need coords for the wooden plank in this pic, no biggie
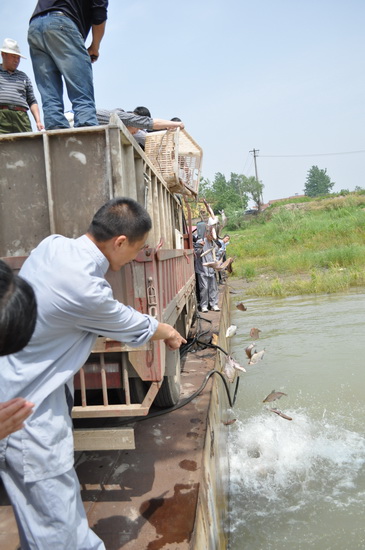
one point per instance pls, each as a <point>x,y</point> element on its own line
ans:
<point>106,411</point>
<point>104,439</point>
<point>103,345</point>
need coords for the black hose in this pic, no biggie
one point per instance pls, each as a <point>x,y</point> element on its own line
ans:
<point>189,399</point>
<point>183,350</point>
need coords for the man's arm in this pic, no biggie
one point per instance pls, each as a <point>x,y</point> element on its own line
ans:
<point>169,335</point>
<point>97,33</point>
<point>37,117</point>
<point>160,124</point>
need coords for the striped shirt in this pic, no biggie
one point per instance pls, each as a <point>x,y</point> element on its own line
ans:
<point>128,119</point>
<point>16,89</point>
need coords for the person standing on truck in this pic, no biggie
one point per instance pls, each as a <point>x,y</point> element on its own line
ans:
<point>75,305</point>
<point>18,314</point>
<point>16,93</point>
<point>56,36</point>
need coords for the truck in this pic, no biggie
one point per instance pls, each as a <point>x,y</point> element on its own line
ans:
<point>52,183</point>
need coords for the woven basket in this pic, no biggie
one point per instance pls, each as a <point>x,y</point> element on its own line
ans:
<point>177,157</point>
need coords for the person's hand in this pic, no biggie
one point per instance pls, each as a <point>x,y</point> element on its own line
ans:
<point>12,415</point>
<point>175,340</point>
<point>40,126</point>
<point>93,53</point>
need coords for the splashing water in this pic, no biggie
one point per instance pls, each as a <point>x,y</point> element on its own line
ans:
<point>300,484</point>
<point>297,472</point>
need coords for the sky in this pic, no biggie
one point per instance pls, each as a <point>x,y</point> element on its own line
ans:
<point>282,77</point>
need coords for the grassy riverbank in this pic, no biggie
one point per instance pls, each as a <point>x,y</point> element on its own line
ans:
<point>302,248</point>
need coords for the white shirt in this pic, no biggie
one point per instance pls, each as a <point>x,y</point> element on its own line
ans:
<point>75,305</point>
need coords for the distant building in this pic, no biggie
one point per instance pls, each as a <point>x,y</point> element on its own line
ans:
<point>296,196</point>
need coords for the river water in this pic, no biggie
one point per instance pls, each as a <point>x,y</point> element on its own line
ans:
<point>300,484</point>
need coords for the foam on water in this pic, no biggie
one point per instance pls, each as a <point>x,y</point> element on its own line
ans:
<point>287,470</point>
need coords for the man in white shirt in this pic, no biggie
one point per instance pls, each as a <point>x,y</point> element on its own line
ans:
<point>75,305</point>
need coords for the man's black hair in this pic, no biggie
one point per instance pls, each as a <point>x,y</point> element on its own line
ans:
<point>142,111</point>
<point>120,216</point>
<point>18,311</point>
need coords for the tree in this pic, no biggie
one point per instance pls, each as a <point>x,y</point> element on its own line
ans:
<point>253,189</point>
<point>318,182</point>
<point>224,194</point>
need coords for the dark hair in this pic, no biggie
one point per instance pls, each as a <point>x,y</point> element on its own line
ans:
<point>176,119</point>
<point>120,216</point>
<point>18,311</point>
<point>142,111</point>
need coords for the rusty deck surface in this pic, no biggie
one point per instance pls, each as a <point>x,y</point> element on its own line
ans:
<point>146,499</point>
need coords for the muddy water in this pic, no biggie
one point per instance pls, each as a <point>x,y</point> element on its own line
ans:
<point>300,484</point>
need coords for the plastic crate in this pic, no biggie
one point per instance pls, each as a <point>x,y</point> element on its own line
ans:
<point>177,157</point>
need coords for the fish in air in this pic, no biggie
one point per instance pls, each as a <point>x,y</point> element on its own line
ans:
<point>256,357</point>
<point>241,306</point>
<point>231,331</point>
<point>255,333</point>
<point>229,422</point>
<point>226,264</point>
<point>230,366</point>
<point>276,411</point>
<point>249,350</point>
<point>224,218</point>
<point>215,265</point>
<point>212,220</point>
<point>273,396</point>
<point>206,252</point>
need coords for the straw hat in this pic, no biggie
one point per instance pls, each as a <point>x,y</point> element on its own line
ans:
<point>11,46</point>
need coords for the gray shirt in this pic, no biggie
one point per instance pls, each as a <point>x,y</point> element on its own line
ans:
<point>201,246</point>
<point>75,305</point>
<point>128,119</point>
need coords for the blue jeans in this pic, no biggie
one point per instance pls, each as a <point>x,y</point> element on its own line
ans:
<point>58,50</point>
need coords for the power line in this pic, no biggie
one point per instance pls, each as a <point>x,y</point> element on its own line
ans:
<point>315,154</point>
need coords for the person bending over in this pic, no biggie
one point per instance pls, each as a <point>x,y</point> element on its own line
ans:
<point>75,305</point>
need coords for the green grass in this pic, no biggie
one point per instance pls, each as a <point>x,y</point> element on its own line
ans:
<point>316,247</point>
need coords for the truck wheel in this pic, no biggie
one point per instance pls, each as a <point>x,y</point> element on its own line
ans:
<point>138,389</point>
<point>169,393</point>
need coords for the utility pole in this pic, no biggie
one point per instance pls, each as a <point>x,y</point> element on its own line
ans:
<point>255,154</point>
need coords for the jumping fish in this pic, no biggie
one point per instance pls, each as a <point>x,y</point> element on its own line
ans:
<point>257,356</point>
<point>224,218</point>
<point>230,366</point>
<point>255,333</point>
<point>229,422</point>
<point>215,265</point>
<point>226,264</point>
<point>249,350</point>
<point>241,306</point>
<point>231,331</point>
<point>206,252</point>
<point>273,396</point>
<point>235,364</point>
<point>228,369</point>
<point>276,411</point>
